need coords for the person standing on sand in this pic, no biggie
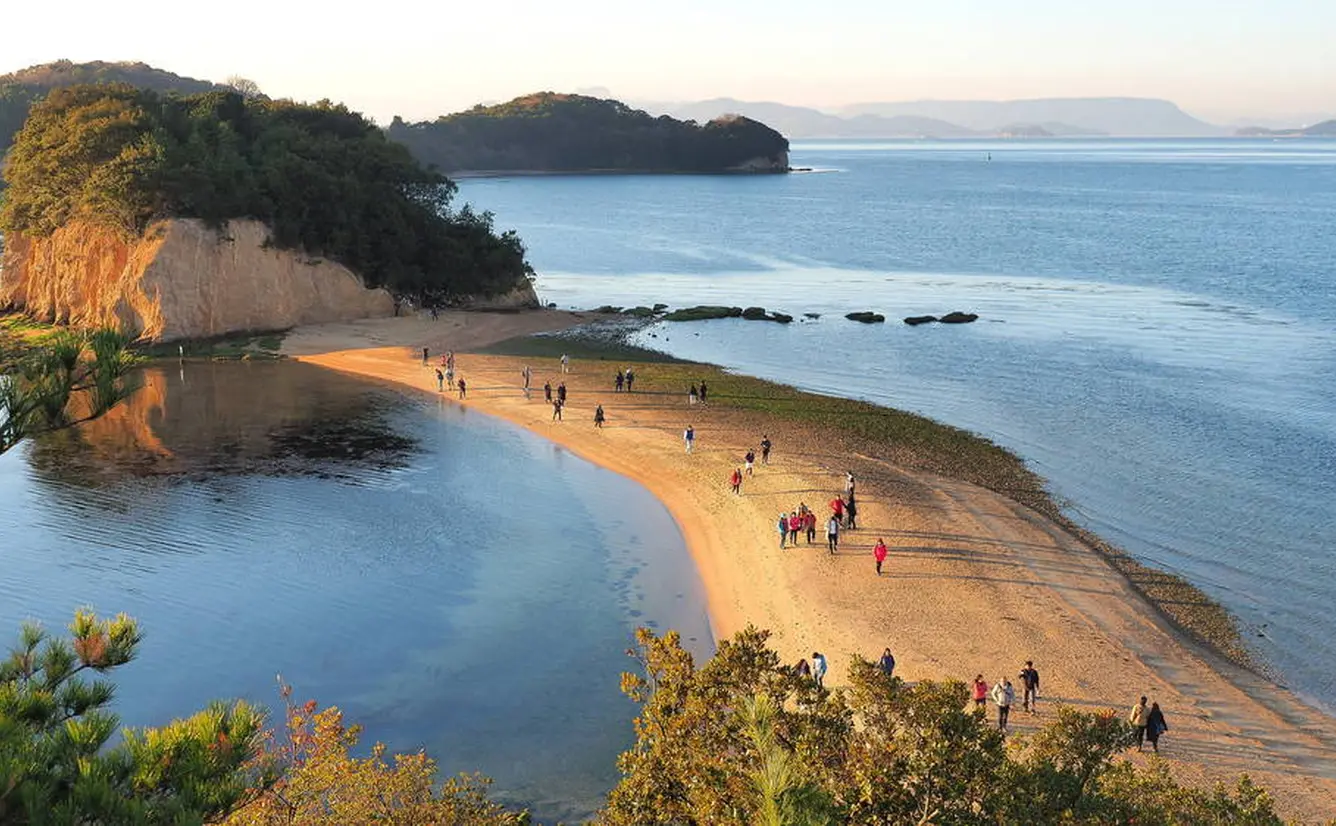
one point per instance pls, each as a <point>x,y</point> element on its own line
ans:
<point>440,381</point>
<point>802,669</point>
<point>879,554</point>
<point>887,663</point>
<point>851,514</point>
<point>1155,726</point>
<point>849,483</point>
<point>425,352</point>
<point>528,376</point>
<point>1029,687</point>
<point>617,382</point>
<point>450,359</point>
<point>565,363</point>
<point>795,524</point>
<point>809,522</point>
<point>463,388</point>
<point>630,379</point>
<point>1003,696</point>
<point>783,530</point>
<point>692,395</point>
<point>837,508</point>
<point>1140,719</point>
<point>450,377</point>
<point>736,481</point>
<point>598,417</point>
<point>833,535</point>
<point>750,461</point>
<point>765,450</point>
<point>703,391</point>
<point>556,410</point>
<point>561,392</point>
<point>689,436</point>
<point>819,669</point>
<point>979,691</point>
<point>547,392</point>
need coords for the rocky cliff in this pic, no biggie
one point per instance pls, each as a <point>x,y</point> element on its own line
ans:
<point>181,280</point>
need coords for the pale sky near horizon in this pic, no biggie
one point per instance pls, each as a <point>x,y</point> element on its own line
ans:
<point>1218,59</point>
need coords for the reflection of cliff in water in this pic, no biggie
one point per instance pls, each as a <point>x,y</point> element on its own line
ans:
<point>204,419</point>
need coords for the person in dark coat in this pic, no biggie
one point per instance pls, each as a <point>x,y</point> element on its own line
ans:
<point>1155,726</point>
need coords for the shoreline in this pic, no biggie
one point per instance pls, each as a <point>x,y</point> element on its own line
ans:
<point>978,581</point>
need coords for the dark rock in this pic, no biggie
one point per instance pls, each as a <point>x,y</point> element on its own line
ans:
<point>703,313</point>
<point>915,320</point>
<point>812,316</point>
<point>755,314</point>
<point>608,309</point>
<point>658,308</point>
<point>781,318</point>
<point>958,318</point>
<point>866,317</point>
<point>639,312</point>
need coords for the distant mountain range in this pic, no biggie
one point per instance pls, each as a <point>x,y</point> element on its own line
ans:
<point>1045,117</point>
<point>1325,129</point>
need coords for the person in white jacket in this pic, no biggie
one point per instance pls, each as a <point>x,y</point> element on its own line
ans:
<point>1003,696</point>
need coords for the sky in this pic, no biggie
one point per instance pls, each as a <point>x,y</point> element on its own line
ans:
<point>1221,60</point>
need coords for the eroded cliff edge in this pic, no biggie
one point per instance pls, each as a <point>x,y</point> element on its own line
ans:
<point>180,280</point>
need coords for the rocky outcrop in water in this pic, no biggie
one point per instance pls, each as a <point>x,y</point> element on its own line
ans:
<point>181,280</point>
<point>866,317</point>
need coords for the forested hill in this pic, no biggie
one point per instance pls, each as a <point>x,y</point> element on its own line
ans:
<point>324,180</point>
<point>19,90</point>
<point>549,132</point>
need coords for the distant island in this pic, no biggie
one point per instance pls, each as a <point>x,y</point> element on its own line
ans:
<point>549,132</point>
<point>1325,129</point>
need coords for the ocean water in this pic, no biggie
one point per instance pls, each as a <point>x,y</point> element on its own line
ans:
<point>1157,332</point>
<point>450,581</point>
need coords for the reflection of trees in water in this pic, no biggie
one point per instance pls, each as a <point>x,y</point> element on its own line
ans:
<point>204,419</point>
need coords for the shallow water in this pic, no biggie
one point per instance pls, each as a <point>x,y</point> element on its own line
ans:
<point>450,581</point>
<point>1157,333</point>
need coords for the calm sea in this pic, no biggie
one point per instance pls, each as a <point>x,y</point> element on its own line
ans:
<point>451,582</point>
<point>1157,333</point>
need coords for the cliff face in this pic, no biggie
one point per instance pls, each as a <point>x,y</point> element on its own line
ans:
<point>181,280</point>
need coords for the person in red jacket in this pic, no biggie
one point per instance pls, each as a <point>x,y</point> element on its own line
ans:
<point>879,554</point>
<point>809,522</point>
<point>837,508</point>
<point>736,481</point>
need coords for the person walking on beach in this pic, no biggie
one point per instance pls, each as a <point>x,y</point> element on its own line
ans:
<point>547,392</point>
<point>1029,687</point>
<point>703,391</point>
<point>630,379</point>
<point>561,392</point>
<point>1155,726</point>
<point>440,381</point>
<point>765,450</point>
<point>783,531</point>
<point>692,395</point>
<point>565,363</point>
<point>809,522</point>
<point>617,382</point>
<point>979,691</point>
<point>450,377</point>
<point>802,669</point>
<point>598,417</point>
<point>689,436</point>
<point>837,508</point>
<point>849,483</point>
<point>1140,719</point>
<point>819,668</point>
<point>425,352</point>
<point>556,410</point>
<point>879,554</point>
<point>850,513</point>
<point>887,663</point>
<point>795,524</point>
<point>833,535</point>
<point>1003,696</point>
<point>750,461</point>
<point>450,359</point>
<point>463,388</point>
<point>736,481</point>
<point>528,377</point>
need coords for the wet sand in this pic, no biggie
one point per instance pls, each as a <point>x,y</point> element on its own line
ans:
<point>974,581</point>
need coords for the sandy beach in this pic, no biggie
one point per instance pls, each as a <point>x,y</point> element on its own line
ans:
<point>974,582</point>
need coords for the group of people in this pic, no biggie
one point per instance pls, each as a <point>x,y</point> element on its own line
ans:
<point>445,374</point>
<point>624,380</point>
<point>698,393</point>
<point>1003,693</point>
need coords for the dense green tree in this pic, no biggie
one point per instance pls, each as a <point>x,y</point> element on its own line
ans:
<point>322,178</point>
<point>552,132</point>
<point>56,764</point>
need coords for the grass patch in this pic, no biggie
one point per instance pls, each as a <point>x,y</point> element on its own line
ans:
<point>577,345</point>
<point>238,346</point>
